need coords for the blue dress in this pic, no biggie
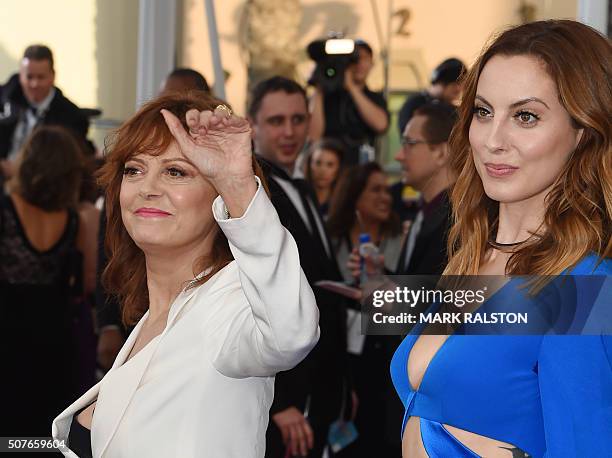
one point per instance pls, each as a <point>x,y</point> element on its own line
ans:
<point>549,395</point>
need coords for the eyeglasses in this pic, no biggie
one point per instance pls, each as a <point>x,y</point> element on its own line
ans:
<point>406,141</point>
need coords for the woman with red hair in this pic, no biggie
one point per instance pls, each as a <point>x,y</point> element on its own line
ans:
<point>212,280</point>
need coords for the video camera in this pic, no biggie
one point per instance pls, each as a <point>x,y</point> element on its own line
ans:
<point>332,56</point>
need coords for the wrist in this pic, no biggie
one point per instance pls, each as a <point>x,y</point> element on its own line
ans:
<point>237,194</point>
<point>233,183</point>
<point>353,89</point>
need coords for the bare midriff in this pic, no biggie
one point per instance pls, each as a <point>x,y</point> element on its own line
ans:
<point>412,444</point>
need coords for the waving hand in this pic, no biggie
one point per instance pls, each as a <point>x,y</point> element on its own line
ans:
<point>219,145</point>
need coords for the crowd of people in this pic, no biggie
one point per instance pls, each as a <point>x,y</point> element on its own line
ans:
<point>188,307</point>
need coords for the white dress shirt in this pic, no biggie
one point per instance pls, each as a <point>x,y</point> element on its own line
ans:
<point>204,386</point>
<point>28,121</point>
<point>294,196</point>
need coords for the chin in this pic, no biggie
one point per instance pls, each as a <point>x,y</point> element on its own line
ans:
<point>287,160</point>
<point>149,238</point>
<point>407,179</point>
<point>383,217</point>
<point>505,196</point>
<point>145,243</point>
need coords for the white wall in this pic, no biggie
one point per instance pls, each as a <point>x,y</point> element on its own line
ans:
<point>66,26</point>
<point>94,44</point>
<point>95,41</point>
<point>438,29</point>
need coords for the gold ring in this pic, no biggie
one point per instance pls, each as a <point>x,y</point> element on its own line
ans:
<point>225,108</point>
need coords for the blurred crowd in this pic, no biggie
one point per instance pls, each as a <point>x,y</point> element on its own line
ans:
<point>318,154</point>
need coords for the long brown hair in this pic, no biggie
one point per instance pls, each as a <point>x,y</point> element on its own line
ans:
<point>328,144</point>
<point>579,206</point>
<point>146,132</point>
<point>50,168</point>
<point>352,184</point>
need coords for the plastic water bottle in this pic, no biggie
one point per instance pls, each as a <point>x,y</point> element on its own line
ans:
<point>366,249</point>
<point>367,153</point>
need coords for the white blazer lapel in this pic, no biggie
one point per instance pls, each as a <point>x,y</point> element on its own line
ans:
<point>121,389</point>
<point>61,425</point>
<point>119,392</point>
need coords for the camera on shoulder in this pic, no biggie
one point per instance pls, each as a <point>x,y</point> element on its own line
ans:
<point>332,56</point>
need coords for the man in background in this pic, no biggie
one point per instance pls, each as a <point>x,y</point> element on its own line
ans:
<point>445,86</point>
<point>424,159</point>
<point>30,98</point>
<point>184,79</point>
<point>309,397</point>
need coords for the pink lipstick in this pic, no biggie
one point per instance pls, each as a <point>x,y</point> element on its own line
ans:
<point>147,212</point>
<point>500,170</point>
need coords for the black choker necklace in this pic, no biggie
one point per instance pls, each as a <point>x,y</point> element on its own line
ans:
<point>501,246</point>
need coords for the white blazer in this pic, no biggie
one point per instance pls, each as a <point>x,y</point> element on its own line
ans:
<point>204,386</point>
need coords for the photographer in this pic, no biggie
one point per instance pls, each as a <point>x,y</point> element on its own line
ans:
<point>353,114</point>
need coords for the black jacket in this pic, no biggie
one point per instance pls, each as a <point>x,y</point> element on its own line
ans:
<point>61,112</point>
<point>323,375</point>
<point>430,254</point>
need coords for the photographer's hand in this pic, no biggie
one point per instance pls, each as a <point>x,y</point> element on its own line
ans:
<point>317,115</point>
<point>373,115</point>
<point>349,80</point>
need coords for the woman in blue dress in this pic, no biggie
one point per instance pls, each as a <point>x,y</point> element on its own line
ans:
<point>533,155</point>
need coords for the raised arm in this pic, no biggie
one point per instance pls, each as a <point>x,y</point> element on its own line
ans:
<point>317,116</point>
<point>275,318</point>
<point>278,324</point>
<point>373,115</point>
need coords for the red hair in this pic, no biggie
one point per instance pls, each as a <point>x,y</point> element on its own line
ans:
<point>146,132</point>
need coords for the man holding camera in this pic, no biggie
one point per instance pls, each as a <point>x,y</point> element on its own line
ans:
<point>353,114</point>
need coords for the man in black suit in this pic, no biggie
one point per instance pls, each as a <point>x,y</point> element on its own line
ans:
<point>308,398</point>
<point>424,161</point>
<point>30,98</point>
<point>445,87</point>
<point>424,158</point>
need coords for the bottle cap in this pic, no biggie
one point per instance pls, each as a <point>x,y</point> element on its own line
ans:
<point>364,238</point>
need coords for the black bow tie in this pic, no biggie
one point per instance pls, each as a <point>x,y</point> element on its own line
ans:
<point>302,185</point>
